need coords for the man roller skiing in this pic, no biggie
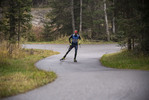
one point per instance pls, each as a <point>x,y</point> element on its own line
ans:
<point>73,44</point>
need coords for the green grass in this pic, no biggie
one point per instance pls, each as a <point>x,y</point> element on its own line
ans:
<point>126,60</point>
<point>19,75</point>
<point>97,42</point>
<point>64,40</point>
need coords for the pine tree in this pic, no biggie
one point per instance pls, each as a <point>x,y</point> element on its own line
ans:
<point>132,23</point>
<point>23,17</point>
<point>62,21</point>
<point>16,18</point>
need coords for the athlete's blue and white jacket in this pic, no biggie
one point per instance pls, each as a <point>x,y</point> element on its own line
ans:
<point>74,39</point>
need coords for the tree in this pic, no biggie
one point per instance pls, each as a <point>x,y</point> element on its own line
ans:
<point>1,21</point>
<point>64,20</point>
<point>113,21</point>
<point>80,17</point>
<point>72,14</point>
<point>93,20</point>
<point>125,21</point>
<point>23,17</point>
<point>16,18</point>
<point>106,21</point>
<point>143,8</point>
<point>132,23</point>
<point>40,3</point>
<point>60,19</point>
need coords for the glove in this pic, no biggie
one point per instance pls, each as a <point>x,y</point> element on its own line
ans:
<point>79,42</point>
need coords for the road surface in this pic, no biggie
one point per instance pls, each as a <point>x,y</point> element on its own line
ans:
<point>87,79</point>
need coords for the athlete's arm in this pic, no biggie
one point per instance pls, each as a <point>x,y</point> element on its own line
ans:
<point>79,38</point>
<point>70,39</point>
<point>79,41</point>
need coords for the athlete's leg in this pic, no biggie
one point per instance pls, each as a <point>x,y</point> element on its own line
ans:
<point>76,49</point>
<point>68,50</point>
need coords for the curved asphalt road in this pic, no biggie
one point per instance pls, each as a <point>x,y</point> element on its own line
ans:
<point>87,79</point>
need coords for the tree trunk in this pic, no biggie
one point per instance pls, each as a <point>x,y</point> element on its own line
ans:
<point>72,14</point>
<point>133,43</point>
<point>19,26</point>
<point>80,17</point>
<point>113,25</point>
<point>1,16</point>
<point>12,21</point>
<point>113,21</point>
<point>129,44</point>
<point>106,21</point>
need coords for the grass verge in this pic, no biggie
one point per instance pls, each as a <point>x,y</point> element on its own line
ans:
<point>64,40</point>
<point>19,75</point>
<point>125,60</point>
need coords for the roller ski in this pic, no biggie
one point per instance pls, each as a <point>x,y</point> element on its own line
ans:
<point>62,59</point>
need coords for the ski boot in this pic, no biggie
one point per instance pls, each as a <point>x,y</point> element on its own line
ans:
<point>75,60</point>
<point>62,59</point>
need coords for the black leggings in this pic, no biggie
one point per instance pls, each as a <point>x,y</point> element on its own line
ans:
<point>76,49</point>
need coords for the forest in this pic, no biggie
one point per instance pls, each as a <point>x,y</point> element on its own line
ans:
<point>114,34</point>
<point>122,21</point>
